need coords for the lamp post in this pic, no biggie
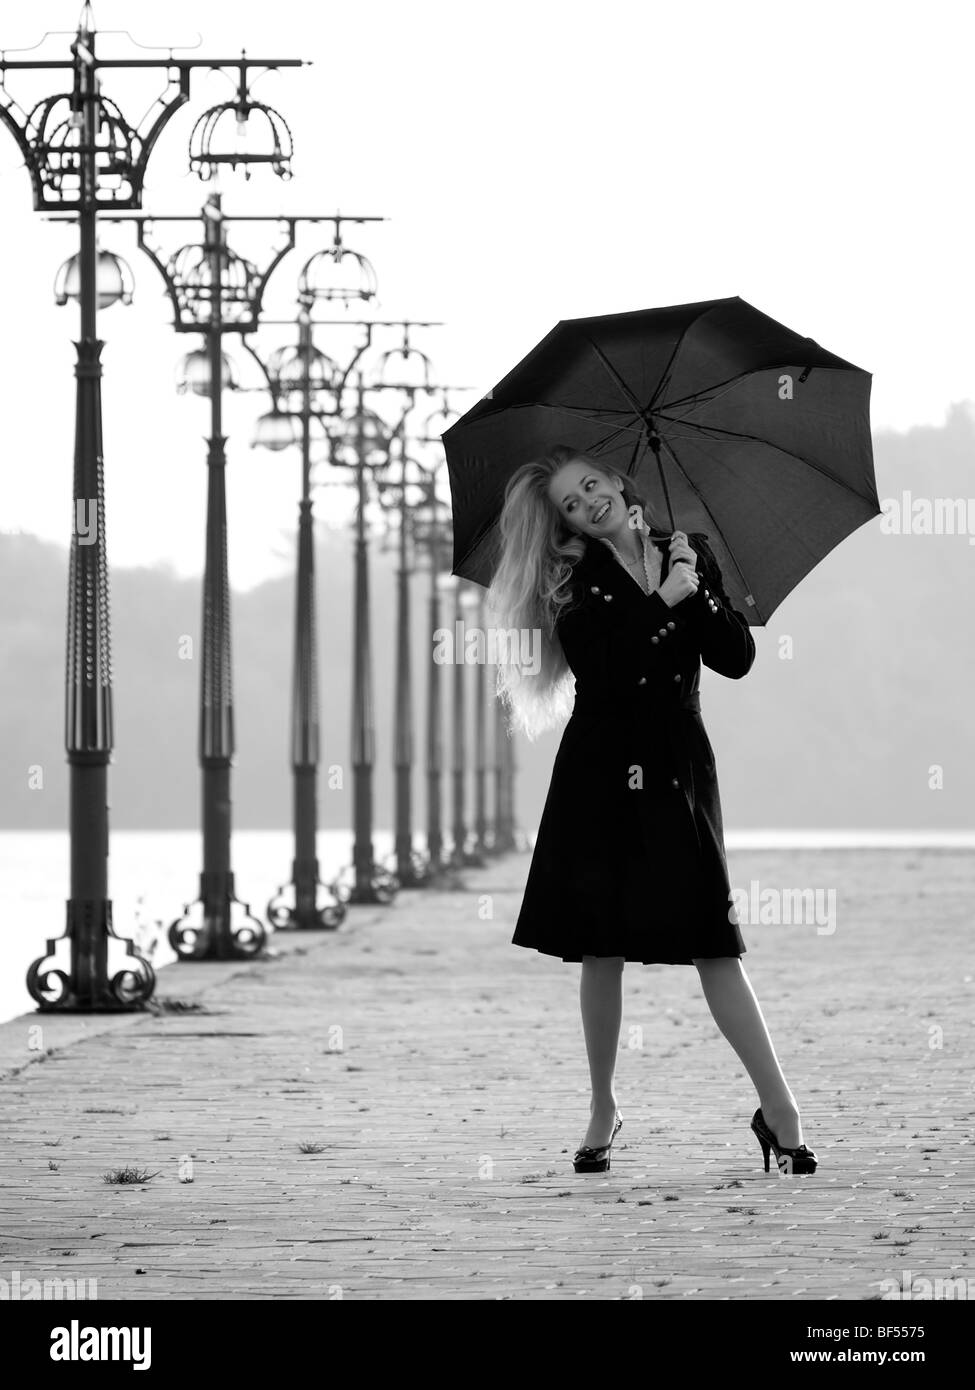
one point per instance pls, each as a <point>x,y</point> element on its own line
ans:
<point>505,838</point>
<point>413,869</point>
<point>215,292</point>
<point>84,157</point>
<point>465,602</point>
<point>432,530</point>
<point>305,372</point>
<point>404,498</point>
<point>480,844</point>
<point>363,443</point>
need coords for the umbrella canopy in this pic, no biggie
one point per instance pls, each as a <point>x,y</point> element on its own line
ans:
<point>729,422</point>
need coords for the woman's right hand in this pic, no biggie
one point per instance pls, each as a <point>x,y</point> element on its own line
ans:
<point>681,582</point>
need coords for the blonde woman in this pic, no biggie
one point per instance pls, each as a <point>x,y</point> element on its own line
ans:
<point>629,861</point>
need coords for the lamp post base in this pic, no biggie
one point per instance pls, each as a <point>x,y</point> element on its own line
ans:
<point>370,883</point>
<point>413,868</point>
<point>306,903</point>
<point>223,928</point>
<point>85,985</point>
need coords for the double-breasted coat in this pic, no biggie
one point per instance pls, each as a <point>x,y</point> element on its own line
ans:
<point>629,859</point>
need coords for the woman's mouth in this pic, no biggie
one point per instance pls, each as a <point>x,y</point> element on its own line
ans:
<point>603,511</point>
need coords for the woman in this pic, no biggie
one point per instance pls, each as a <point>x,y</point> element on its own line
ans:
<point>629,861</point>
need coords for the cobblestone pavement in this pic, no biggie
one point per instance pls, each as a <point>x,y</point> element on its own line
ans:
<point>436,1075</point>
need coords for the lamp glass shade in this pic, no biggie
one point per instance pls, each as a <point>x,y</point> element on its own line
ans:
<point>114,281</point>
<point>193,373</point>
<point>274,431</point>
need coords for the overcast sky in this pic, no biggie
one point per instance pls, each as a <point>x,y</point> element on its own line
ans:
<point>536,161</point>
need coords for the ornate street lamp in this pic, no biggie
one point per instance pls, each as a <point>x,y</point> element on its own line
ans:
<point>405,497</point>
<point>306,385</point>
<point>337,273</point>
<point>83,157</point>
<point>413,869</point>
<point>260,136</point>
<point>215,292</point>
<point>464,602</point>
<point>431,526</point>
<point>472,600</point>
<point>362,441</point>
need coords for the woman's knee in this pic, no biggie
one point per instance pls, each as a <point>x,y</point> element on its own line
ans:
<point>612,964</point>
<point>716,965</point>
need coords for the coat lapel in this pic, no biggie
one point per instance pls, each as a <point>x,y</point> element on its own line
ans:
<point>601,562</point>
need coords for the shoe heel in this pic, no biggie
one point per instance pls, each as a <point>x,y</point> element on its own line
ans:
<point>788,1161</point>
<point>588,1160</point>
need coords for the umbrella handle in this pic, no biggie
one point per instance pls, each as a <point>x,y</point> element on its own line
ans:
<point>654,441</point>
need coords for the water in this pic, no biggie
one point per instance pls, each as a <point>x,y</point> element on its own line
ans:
<point>153,873</point>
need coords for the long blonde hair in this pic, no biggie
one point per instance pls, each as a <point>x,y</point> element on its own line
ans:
<point>530,587</point>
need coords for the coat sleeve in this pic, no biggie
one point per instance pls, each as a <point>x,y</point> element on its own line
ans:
<point>593,644</point>
<point>725,638</point>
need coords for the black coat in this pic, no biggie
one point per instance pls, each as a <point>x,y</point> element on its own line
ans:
<point>629,859</point>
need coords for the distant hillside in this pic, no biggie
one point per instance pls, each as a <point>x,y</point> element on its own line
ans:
<point>842,735</point>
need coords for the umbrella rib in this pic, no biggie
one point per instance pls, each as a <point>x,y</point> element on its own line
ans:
<point>668,370</point>
<point>612,437</point>
<point>694,488</point>
<point>578,413</point>
<point>615,375</point>
<point>768,444</point>
<point>707,394</point>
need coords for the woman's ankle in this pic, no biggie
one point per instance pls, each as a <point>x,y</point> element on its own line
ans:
<point>603,1103</point>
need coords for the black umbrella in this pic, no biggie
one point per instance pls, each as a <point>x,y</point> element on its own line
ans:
<point>731,424</point>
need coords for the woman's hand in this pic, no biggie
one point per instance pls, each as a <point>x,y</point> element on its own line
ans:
<point>682,578</point>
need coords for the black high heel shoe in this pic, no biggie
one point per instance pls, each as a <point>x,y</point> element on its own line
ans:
<point>800,1160</point>
<point>588,1160</point>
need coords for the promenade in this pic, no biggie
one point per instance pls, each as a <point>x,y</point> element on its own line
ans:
<point>435,1076</point>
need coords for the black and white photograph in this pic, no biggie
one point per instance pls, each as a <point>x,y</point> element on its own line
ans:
<point>487,554</point>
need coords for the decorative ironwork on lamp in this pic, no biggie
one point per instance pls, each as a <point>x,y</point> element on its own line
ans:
<point>337,273</point>
<point>361,439</point>
<point>211,145</point>
<point>190,273</point>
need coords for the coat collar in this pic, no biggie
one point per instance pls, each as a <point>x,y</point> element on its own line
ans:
<point>599,561</point>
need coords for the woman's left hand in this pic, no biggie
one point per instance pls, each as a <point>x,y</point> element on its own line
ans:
<point>681,550</point>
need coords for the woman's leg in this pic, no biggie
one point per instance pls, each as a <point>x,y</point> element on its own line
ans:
<point>736,1011</point>
<point>601,998</point>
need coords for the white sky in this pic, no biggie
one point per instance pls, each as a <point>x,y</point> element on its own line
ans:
<point>537,161</point>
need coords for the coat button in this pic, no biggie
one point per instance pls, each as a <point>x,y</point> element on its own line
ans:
<point>594,589</point>
<point>674,782</point>
<point>642,680</point>
<point>677,677</point>
<point>671,626</point>
<point>662,631</point>
<point>707,593</point>
<point>654,639</point>
<point>607,597</point>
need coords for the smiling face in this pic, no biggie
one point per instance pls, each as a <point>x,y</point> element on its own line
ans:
<point>587,500</point>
